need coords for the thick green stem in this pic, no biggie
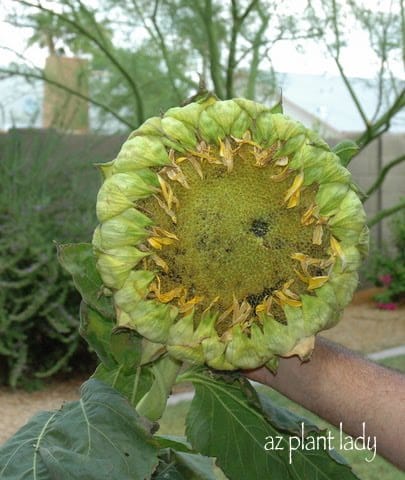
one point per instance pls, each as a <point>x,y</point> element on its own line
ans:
<point>153,404</point>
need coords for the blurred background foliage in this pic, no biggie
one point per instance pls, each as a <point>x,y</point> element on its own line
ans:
<point>144,56</point>
<point>47,195</point>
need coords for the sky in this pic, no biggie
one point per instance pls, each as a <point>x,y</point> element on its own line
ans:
<point>358,59</point>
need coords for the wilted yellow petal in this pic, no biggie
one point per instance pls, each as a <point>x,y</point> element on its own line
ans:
<point>316,282</point>
<point>168,296</point>
<point>196,165</point>
<point>160,262</point>
<point>212,303</point>
<point>284,300</point>
<point>240,312</point>
<point>308,217</point>
<point>260,308</point>
<point>281,162</point>
<point>290,293</point>
<point>226,314</point>
<point>176,174</point>
<point>279,177</point>
<point>204,152</point>
<point>299,256</point>
<point>292,196</point>
<point>166,209</point>
<point>245,140</point>
<point>226,153</point>
<point>301,276</point>
<point>337,250</point>
<point>161,232</point>
<point>187,305</point>
<point>265,306</point>
<point>154,242</point>
<point>167,192</point>
<point>317,235</point>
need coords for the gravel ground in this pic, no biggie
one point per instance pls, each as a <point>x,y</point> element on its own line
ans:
<point>18,406</point>
<point>363,328</point>
<point>367,329</point>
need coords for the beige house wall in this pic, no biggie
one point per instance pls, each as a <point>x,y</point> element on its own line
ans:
<point>61,109</point>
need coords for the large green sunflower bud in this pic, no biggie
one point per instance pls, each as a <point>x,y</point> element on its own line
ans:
<point>228,233</point>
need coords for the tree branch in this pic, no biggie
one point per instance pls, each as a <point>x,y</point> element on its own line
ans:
<point>232,50</point>
<point>384,173</point>
<point>165,51</point>
<point>352,94</point>
<point>386,213</point>
<point>336,57</point>
<point>247,10</point>
<point>215,61</point>
<point>237,22</point>
<point>91,18</point>
<point>383,123</point>
<point>254,65</point>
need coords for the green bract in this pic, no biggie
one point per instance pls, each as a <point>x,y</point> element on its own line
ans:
<point>229,234</point>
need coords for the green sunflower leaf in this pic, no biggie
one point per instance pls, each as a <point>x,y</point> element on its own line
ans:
<point>167,470</point>
<point>174,442</point>
<point>126,347</point>
<point>79,261</point>
<point>99,437</point>
<point>188,466</point>
<point>96,330</point>
<point>283,419</point>
<point>346,150</point>
<point>278,107</point>
<point>225,423</point>
<point>133,386</point>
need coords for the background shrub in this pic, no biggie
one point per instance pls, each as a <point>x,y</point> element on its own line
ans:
<point>387,267</point>
<point>47,193</point>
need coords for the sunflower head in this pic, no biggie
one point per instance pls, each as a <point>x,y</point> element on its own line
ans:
<point>229,234</point>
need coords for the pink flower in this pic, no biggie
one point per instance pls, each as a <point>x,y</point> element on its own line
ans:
<point>387,306</point>
<point>385,279</point>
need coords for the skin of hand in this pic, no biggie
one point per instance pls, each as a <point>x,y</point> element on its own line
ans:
<point>341,386</point>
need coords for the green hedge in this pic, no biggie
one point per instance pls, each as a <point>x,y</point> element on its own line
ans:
<point>47,194</point>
